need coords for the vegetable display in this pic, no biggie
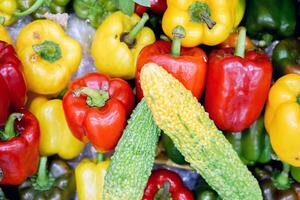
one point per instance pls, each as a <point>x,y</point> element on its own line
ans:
<point>19,153</point>
<point>180,116</point>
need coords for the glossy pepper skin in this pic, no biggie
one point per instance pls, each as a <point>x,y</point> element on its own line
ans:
<point>95,11</point>
<point>270,185</point>
<point>270,18</point>
<point>156,6</point>
<point>7,9</point>
<point>56,136</point>
<point>38,8</point>
<point>96,108</point>
<point>57,183</point>
<point>286,57</point>
<point>90,178</point>
<point>4,102</point>
<point>237,87</point>
<point>189,67</point>
<point>19,154</point>
<point>172,152</point>
<point>11,70</point>
<point>282,118</point>
<point>206,22</point>
<point>4,35</point>
<point>165,182</point>
<point>49,56</point>
<point>123,42</point>
<point>252,144</point>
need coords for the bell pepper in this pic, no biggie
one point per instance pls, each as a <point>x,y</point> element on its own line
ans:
<point>90,178</point>
<point>94,11</point>
<point>49,56</point>
<point>295,172</point>
<point>156,6</point>
<point>241,8</point>
<point>56,137</point>
<point>7,9</point>
<point>19,153</point>
<point>252,144</point>
<point>171,151</point>
<point>166,184</point>
<point>282,118</point>
<point>122,37</point>
<point>205,192</point>
<point>237,86</point>
<point>231,41</point>
<point>56,183</point>
<point>96,108</point>
<point>286,57</point>
<point>4,35</point>
<point>4,102</point>
<point>276,185</point>
<point>38,8</point>
<point>11,71</point>
<point>206,22</point>
<point>188,65</point>
<point>269,18</point>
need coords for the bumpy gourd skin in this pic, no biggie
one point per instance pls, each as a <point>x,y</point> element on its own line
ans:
<point>133,159</point>
<point>180,116</point>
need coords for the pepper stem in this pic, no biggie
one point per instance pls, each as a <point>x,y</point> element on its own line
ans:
<point>240,48</point>
<point>164,192</point>
<point>42,177</point>
<point>48,50</point>
<point>2,20</point>
<point>9,129</point>
<point>282,181</point>
<point>200,12</point>
<point>95,98</point>
<point>100,157</point>
<point>129,38</point>
<point>298,98</point>
<point>30,10</point>
<point>2,196</point>
<point>178,33</point>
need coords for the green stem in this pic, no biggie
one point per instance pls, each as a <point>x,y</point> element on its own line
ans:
<point>282,180</point>
<point>240,48</point>
<point>200,13</point>
<point>95,98</point>
<point>2,20</point>
<point>33,8</point>
<point>48,50</point>
<point>9,130</point>
<point>100,157</point>
<point>298,98</point>
<point>178,33</point>
<point>42,177</point>
<point>129,38</point>
<point>206,18</point>
<point>164,193</point>
<point>2,196</point>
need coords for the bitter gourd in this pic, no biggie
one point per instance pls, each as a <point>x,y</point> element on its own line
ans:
<point>177,112</point>
<point>133,159</point>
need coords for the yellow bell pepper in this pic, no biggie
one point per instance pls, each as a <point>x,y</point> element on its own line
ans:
<point>206,22</point>
<point>118,42</point>
<point>90,178</point>
<point>49,56</point>
<point>7,9</point>
<point>4,35</point>
<point>56,137</point>
<point>282,118</point>
<point>240,12</point>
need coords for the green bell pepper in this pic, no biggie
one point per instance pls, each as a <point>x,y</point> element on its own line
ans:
<point>295,172</point>
<point>252,144</point>
<point>204,192</point>
<point>286,57</point>
<point>38,8</point>
<point>58,183</point>
<point>268,18</point>
<point>94,11</point>
<point>171,151</point>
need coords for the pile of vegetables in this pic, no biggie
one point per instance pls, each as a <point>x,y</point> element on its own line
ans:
<point>158,89</point>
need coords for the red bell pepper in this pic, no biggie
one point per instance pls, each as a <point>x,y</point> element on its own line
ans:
<point>156,6</point>
<point>96,108</point>
<point>188,65</point>
<point>19,148</point>
<point>237,86</point>
<point>165,184</point>
<point>4,101</point>
<point>11,72</point>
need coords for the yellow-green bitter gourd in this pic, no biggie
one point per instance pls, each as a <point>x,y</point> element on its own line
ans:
<point>177,112</point>
<point>132,162</point>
